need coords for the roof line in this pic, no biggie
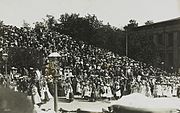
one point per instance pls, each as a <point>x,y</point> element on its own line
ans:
<point>170,20</point>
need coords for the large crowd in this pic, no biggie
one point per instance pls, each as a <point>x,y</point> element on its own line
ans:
<point>85,70</point>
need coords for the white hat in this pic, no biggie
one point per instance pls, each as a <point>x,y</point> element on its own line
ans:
<point>13,68</point>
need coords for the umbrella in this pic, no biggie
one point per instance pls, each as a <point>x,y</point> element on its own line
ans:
<point>70,76</point>
<point>54,54</point>
<point>94,75</point>
<point>138,103</point>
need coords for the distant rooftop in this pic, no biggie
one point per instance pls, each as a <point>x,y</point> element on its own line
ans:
<point>175,19</point>
<point>166,22</point>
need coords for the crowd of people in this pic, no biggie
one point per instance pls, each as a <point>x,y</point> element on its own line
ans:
<point>92,73</point>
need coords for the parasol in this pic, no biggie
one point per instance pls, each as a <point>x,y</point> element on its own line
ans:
<point>138,103</point>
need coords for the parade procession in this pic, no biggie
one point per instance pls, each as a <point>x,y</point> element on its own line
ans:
<point>80,64</point>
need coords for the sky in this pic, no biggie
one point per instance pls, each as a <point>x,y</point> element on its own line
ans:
<point>116,12</point>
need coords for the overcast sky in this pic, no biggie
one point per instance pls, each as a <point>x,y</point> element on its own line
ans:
<point>116,12</point>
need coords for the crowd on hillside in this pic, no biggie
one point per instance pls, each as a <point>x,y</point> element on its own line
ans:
<point>85,70</point>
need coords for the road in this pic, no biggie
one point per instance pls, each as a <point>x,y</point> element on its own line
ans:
<point>133,100</point>
<point>78,103</point>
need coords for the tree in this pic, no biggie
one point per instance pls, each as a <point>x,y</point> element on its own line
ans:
<point>91,30</point>
<point>25,24</point>
<point>50,22</point>
<point>80,28</point>
<point>132,24</point>
<point>149,22</point>
<point>1,23</point>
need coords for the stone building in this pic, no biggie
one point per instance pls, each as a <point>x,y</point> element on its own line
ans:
<point>166,37</point>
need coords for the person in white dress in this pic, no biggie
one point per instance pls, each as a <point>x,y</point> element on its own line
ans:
<point>47,90</point>
<point>78,88</point>
<point>169,91</point>
<point>134,87</point>
<point>118,91</point>
<point>35,96</point>
<point>87,91</point>
<point>140,87</point>
<point>104,93</point>
<point>69,95</point>
<point>174,90</point>
<point>45,94</point>
<point>109,94</point>
<point>159,90</point>
<point>148,90</point>
<point>143,86</point>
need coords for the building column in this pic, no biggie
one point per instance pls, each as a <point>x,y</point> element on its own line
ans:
<point>156,62</point>
<point>165,51</point>
<point>175,50</point>
<point>155,39</point>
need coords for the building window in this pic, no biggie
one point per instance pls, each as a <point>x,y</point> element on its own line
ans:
<point>170,40</point>
<point>160,39</point>
<point>170,59</point>
<point>162,56</point>
<point>170,62</point>
<point>178,36</point>
<point>178,62</point>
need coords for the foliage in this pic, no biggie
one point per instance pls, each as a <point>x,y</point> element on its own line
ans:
<point>149,22</point>
<point>91,30</point>
<point>132,24</point>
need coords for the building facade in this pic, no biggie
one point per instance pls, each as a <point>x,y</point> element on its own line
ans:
<point>166,37</point>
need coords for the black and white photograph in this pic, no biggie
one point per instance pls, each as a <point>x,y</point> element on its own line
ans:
<point>89,56</point>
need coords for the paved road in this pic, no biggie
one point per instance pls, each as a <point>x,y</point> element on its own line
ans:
<point>78,103</point>
<point>99,105</point>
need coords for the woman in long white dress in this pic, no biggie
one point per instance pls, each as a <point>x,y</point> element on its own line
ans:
<point>168,91</point>
<point>159,90</point>
<point>109,94</point>
<point>45,94</point>
<point>42,93</point>
<point>87,92</point>
<point>118,91</point>
<point>143,86</point>
<point>148,90</point>
<point>104,92</point>
<point>78,88</point>
<point>35,95</point>
<point>174,90</point>
<point>69,95</point>
<point>48,93</point>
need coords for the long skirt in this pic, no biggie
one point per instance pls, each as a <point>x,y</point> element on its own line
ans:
<point>134,90</point>
<point>174,91</point>
<point>78,89</point>
<point>109,93</point>
<point>159,90</point>
<point>49,94</point>
<point>87,93</point>
<point>42,94</point>
<point>118,93</point>
<point>148,91</point>
<point>36,99</point>
<point>168,92</point>
<point>69,95</point>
